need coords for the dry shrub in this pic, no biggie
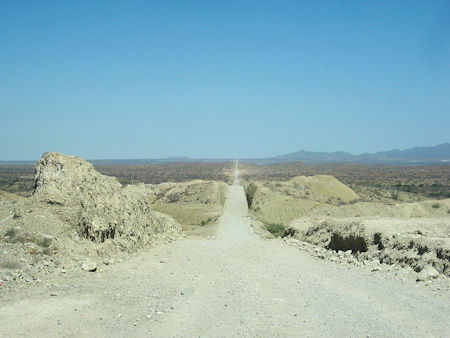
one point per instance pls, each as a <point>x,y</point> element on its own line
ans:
<point>12,235</point>
<point>44,241</point>
<point>8,262</point>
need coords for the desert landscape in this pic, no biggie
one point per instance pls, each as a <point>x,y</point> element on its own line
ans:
<point>224,169</point>
<point>82,243</point>
<point>406,227</point>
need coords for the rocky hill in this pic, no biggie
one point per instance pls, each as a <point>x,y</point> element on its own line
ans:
<point>417,155</point>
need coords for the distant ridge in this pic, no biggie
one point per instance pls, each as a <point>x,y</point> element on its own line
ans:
<point>416,155</point>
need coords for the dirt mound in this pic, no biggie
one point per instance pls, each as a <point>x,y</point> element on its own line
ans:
<point>324,187</point>
<point>75,218</point>
<point>97,205</point>
<point>196,205</point>
<point>282,202</point>
<point>73,201</point>
<point>416,242</point>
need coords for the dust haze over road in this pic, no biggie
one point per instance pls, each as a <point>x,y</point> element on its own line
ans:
<point>235,284</point>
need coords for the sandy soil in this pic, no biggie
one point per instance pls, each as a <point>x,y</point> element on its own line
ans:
<point>196,205</point>
<point>281,202</point>
<point>233,285</point>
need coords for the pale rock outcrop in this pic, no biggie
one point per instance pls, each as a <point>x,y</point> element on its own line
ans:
<point>96,205</point>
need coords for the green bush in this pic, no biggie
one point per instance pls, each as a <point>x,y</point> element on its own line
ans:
<point>208,221</point>
<point>250,191</point>
<point>435,205</point>
<point>276,229</point>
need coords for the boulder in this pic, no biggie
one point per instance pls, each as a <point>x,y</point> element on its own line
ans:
<point>427,273</point>
<point>89,266</point>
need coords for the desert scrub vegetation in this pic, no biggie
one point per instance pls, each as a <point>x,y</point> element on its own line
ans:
<point>276,229</point>
<point>169,172</point>
<point>43,244</point>
<point>44,241</point>
<point>206,222</point>
<point>17,179</point>
<point>7,262</point>
<point>250,191</point>
<point>435,205</point>
<point>12,235</point>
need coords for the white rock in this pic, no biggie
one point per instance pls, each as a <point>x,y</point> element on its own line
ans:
<point>427,273</point>
<point>89,266</point>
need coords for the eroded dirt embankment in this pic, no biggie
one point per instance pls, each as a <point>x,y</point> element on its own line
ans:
<point>324,212</point>
<point>282,202</point>
<point>196,205</point>
<point>75,215</point>
<point>414,242</point>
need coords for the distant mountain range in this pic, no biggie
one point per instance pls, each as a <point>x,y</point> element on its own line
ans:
<point>416,155</point>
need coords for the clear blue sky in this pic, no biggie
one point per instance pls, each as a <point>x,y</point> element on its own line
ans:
<point>146,79</point>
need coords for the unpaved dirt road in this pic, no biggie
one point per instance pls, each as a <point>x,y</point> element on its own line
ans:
<point>233,285</point>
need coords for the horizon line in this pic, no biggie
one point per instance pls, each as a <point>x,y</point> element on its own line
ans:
<point>175,158</point>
